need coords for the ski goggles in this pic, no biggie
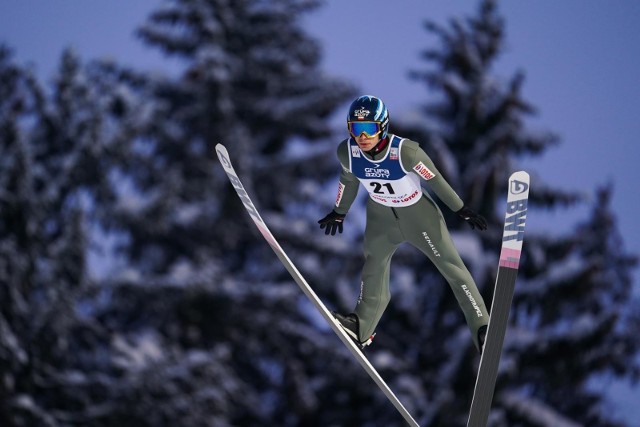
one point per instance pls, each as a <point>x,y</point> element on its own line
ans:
<point>370,129</point>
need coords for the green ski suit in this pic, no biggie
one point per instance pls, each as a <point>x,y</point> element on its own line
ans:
<point>399,210</point>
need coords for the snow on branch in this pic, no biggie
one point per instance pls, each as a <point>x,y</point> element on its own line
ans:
<point>536,412</point>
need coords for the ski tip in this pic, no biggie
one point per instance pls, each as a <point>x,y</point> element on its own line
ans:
<point>223,156</point>
<point>522,175</point>
<point>518,185</point>
<point>221,151</point>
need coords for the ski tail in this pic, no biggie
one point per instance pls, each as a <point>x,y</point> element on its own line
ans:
<point>512,239</point>
<point>223,156</point>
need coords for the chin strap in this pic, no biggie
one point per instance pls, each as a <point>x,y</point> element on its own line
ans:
<point>378,147</point>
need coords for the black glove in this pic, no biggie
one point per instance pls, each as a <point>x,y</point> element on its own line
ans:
<point>472,218</point>
<point>332,222</point>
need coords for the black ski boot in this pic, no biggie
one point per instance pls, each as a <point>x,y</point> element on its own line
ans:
<point>351,325</point>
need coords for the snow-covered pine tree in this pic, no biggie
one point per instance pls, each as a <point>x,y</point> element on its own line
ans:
<point>568,351</point>
<point>239,350</point>
<point>50,174</point>
<point>18,227</point>
<point>198,298</point>
<point>478,136</point>
<point>249,77</point>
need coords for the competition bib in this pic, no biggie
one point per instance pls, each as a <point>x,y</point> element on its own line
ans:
<point>387,182</point>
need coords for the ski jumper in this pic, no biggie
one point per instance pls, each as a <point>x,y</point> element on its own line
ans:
<point>399,210</point>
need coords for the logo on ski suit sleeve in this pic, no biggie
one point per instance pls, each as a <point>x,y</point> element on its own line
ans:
<point>422,170</point>
<point>386,180</point>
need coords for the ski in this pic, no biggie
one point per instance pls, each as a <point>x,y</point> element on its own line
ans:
<point>223,156</point>
<point>512,238</point>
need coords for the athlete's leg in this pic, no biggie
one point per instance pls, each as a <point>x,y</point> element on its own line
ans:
<point>425,228</point>
<point>381,239</point>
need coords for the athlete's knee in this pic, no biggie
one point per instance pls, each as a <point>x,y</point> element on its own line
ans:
<point>375,266</point>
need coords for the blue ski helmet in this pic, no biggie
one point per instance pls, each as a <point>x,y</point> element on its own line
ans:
<point>368,109</point>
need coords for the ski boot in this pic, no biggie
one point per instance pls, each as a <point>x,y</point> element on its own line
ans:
<point>351,325</point>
